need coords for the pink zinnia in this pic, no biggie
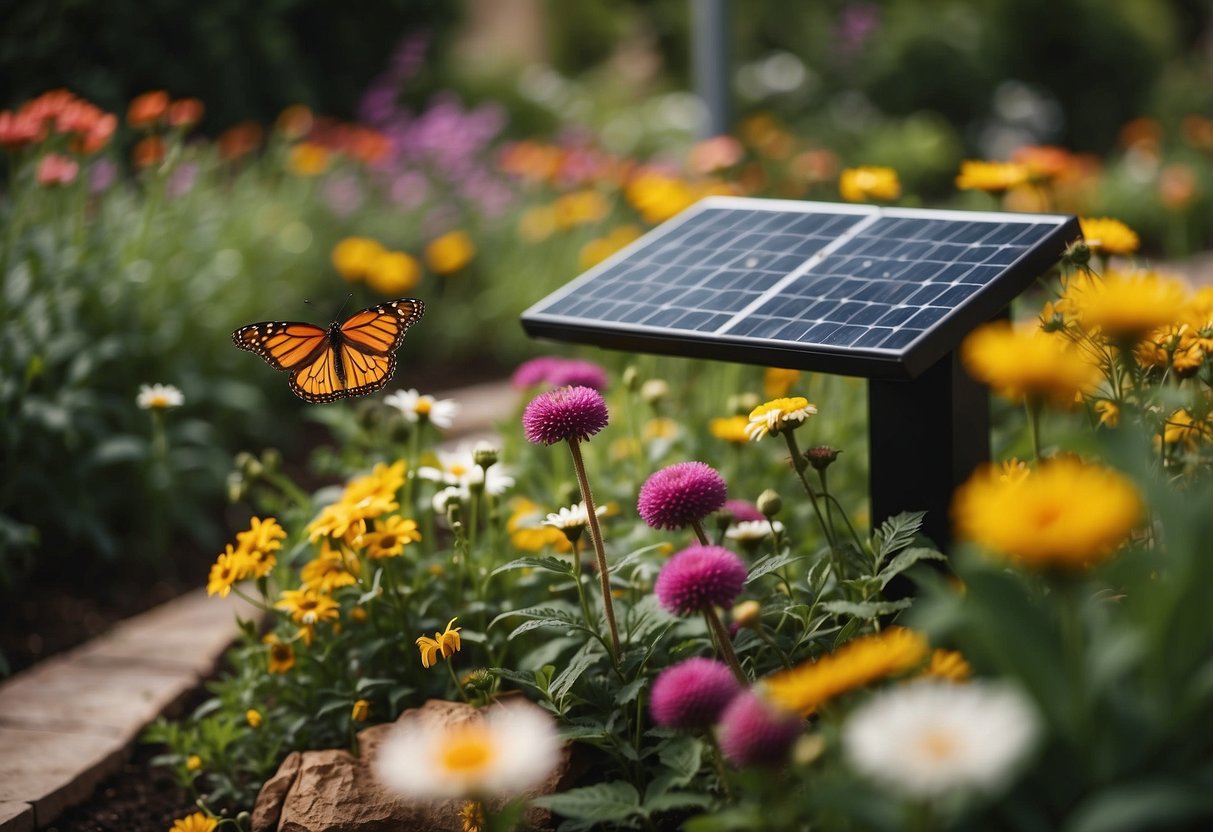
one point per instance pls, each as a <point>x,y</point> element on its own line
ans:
<point>742,511</point>
<point>564,414</point>
<point>681,494</point>
<point>699,578</point>
<point>754,733</point>
<point>691,695</point>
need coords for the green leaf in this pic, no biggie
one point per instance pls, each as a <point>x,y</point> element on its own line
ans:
<point>896,533</point>
<point>630,691</point>
<point>582,660</point>
<point>540,623</point>
<point>560,567</point>
<point>374,591</point>
<point>683,756</point>
<point>613,801</point>
<point>905,560</point>
<point>1129,806</point>
<point>866,609</point>
<point>770,563</point>
<point>632,558</point>
<point>676,800</point>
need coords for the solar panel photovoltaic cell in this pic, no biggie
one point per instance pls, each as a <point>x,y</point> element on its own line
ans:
<point>857,290</point>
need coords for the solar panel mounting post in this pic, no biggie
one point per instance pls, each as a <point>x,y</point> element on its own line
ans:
<point>926,436</point>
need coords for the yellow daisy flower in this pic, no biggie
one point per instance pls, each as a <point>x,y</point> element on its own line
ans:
<point>308,159</point>
<point>857,663</point>
<point>1024,362</point>
<point>776,381</point>
<point>445,644</point>
<point>1126,305</point>
<point>330,570</point>
<point>229,568</point>
<point>390,536</point>
<point>730,429</point>
<point>1109,236</point>
<point>197,822</point>
<point>992,177</point>
<point>777,415</point>
<point>1065,514</point>
<point>253,716</point>
<point>281,655</point>
<point>307,606</point>
<point>868,184</point>
<point>948,664</point>
<point>450,252</point>
<point>1181,429</point>
<point>361,711</point>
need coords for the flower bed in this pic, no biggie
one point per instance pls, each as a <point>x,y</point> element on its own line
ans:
<point>697,605</point>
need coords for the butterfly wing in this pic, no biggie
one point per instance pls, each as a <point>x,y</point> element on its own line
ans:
<point>357,360</point>
<point>285,345</point>
<point>380,329</point>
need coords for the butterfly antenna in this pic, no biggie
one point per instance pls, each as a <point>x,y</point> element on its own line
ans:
<point>344,304</point>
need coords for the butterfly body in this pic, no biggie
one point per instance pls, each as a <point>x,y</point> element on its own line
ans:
<point>349,358</point>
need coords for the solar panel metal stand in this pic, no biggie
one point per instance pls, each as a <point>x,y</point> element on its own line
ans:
<point>925,437</point>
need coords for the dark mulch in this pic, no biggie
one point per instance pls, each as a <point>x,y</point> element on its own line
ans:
<point>139,798</point>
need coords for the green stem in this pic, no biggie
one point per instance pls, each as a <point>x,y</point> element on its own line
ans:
<point>699,532</point>
<point>725,645</point>
<point>1032,406</point>
<point>455,679</point>
<point>604,576</point>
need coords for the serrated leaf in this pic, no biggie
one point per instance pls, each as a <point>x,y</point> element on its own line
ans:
<point>866,609</point>
<point>683,756</point>
<point>676,800</point>
<point>769,564</point>
<point>547,611</point>
<point>631,558</point>
<point>601,802</point>
<point>560,567</point>
<point>540,623</point>
<point>582,660</point>
<point>368,683</point>
<point>896,533</point>
<point>904,560</point>
<point>630,691</point>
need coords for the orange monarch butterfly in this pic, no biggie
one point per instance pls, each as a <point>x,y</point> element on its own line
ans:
<point>349,358</point>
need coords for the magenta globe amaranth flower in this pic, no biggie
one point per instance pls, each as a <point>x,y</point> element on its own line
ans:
<point>692,694</point>
<point>534,372</point>
<point>681,495</point>
<point>565,414</point>
<point>742,511</point>
<point>700,578</point>
<point>753,732</point>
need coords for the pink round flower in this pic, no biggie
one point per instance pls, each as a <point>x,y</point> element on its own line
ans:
<point>692,694</point>
<point>743,511</point>
<point>564,414</point>
<point>534,372</point>
<point>698,578</point>
<point>578,373</point>
<point>679,495</point>
<point>753,732</point>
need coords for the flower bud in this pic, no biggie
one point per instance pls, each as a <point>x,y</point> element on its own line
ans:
<point>631,378</point>
<point>485,455</point>
<point>747,613</point>
<point>821,457</point>
<point>769,503</point>
<point>1079,253</point>
<point>654,391</point>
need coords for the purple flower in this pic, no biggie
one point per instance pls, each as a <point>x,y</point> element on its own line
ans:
<point>343,194</point>
<point>181,180</point>
<point>681,494</point>
<point>691,695</point>
<point>699,578</point>
<point>101,175</point>
<point>566,413</point>
<point>753,732</point>
<point>583,373</point>
<point>534,372</point>
<point>743,510</point>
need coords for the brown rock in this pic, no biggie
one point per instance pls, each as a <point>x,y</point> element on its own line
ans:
<point>330,790</point>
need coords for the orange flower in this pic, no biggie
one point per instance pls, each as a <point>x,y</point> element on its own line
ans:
<point>149,151</point>
<point>147,109</point>
<point>185,113</point>
<point>295,121</point>
<point>239,140</point>
<point>20,129</point>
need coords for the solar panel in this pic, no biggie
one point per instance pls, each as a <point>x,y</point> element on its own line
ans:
<point>849,289</point>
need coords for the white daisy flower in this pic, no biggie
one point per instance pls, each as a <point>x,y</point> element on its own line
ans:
<point>928,739</point>
<point>416,408</point>
<point>451,492</point>
<point>572,517</point>
<point>778,414</point>
<point>159,397</point>
<point>513,748</point>
<point>459,468</point>
<point>751,531</point>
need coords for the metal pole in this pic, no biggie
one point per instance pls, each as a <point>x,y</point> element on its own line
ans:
<point>710,63</point>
